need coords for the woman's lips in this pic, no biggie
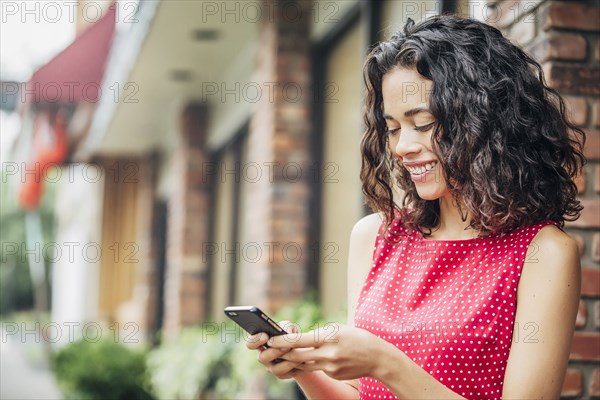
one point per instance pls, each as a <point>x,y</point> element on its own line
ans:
<point>420,171</point>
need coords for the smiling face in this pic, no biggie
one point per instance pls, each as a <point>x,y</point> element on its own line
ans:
<point>410,126</point>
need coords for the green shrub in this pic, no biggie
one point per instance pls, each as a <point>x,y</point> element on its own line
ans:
<point>193,365</point>
<point>211,362</point>
<point>102,370</point>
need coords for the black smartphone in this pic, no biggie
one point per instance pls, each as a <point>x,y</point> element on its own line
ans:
<point>253,320</point>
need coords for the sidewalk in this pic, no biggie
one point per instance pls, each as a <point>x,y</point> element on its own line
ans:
<point>23,370</point>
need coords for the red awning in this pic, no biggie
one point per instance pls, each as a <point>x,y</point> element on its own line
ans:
<point>75,74</point>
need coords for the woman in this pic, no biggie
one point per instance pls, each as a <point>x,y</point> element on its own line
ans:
<point>472,289</point>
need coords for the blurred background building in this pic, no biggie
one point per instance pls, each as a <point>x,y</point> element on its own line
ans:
<point>211,153</point>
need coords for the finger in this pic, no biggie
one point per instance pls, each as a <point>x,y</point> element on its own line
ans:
<point>295,340</point>
<point>289,326</point>
<point>254,342</point>
<point>314,338</point>
<point>302,355</point>
<point>270,355</point>
<point>310,366</point>
<point>284,369</point>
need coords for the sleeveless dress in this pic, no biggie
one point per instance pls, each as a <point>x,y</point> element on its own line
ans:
<point>449,305</point>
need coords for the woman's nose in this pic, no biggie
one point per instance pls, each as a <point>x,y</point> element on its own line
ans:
<point>407,144</point>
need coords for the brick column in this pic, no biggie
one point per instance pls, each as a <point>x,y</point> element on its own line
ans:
<point>146,289</point>
<point>565,38</point>
<point>276,210</point>
<point>139,309</point>
<point>187,227</point>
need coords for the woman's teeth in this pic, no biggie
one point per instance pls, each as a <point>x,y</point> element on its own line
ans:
<point>421,169</point>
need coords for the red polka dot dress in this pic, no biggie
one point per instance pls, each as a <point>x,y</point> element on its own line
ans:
<point>449,305</point>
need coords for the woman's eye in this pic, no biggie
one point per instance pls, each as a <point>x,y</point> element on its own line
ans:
<point>391,132</point>
<point>424,128</point>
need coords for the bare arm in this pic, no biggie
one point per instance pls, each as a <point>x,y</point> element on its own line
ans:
<point>406,379</point>
<point>547,302</point>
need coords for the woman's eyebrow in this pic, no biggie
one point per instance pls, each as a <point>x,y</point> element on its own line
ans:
<point>409,113</point>
<point>415,111</point>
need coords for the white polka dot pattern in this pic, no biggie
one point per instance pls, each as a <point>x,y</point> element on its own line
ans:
<point>449,305</point>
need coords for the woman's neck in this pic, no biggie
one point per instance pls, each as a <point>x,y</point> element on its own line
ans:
<point>451,226</point>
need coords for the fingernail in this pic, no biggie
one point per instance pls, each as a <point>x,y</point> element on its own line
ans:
<point>270,342</point>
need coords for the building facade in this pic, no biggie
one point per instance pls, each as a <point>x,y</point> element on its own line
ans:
<point>227,149</point>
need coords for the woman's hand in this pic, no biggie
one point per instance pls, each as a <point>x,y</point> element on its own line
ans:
<point>341,351</point>
<point>270,357</point>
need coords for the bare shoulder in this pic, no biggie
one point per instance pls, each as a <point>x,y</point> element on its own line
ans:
<point>366,228</point>
<point>553,247</point>
<point>552,260</point>
<point>362,242</point>
<point>547,301</point>
<point>551,236</point>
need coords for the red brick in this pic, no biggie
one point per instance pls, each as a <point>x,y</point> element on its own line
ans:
<point>594,385</point>
<point>573,78</point>
<point>572,383</point>
<point>567,46</point>
<point>591,151</point>
<point>596,312</point>
<point>278,132</point>
<point>185,286</point>
<point>590,215</point>
<point>581,320</point>
<point>595,249</point>
<point>597,55</point>
<point>597,180</point>
<point>590,282</point>
<point>580,242</point>
<point>571,15</point>
<point>577,109</point>
<point>585,346</point>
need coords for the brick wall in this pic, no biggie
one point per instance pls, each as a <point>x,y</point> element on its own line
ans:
<point>564,38</point>
<point>277,210</point>
<point>145,291</point>
<point>187,227</point>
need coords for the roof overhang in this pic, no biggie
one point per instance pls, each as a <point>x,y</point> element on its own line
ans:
<point>169,58</point>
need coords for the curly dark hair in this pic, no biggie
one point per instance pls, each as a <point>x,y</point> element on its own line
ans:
<point>508,151</point>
